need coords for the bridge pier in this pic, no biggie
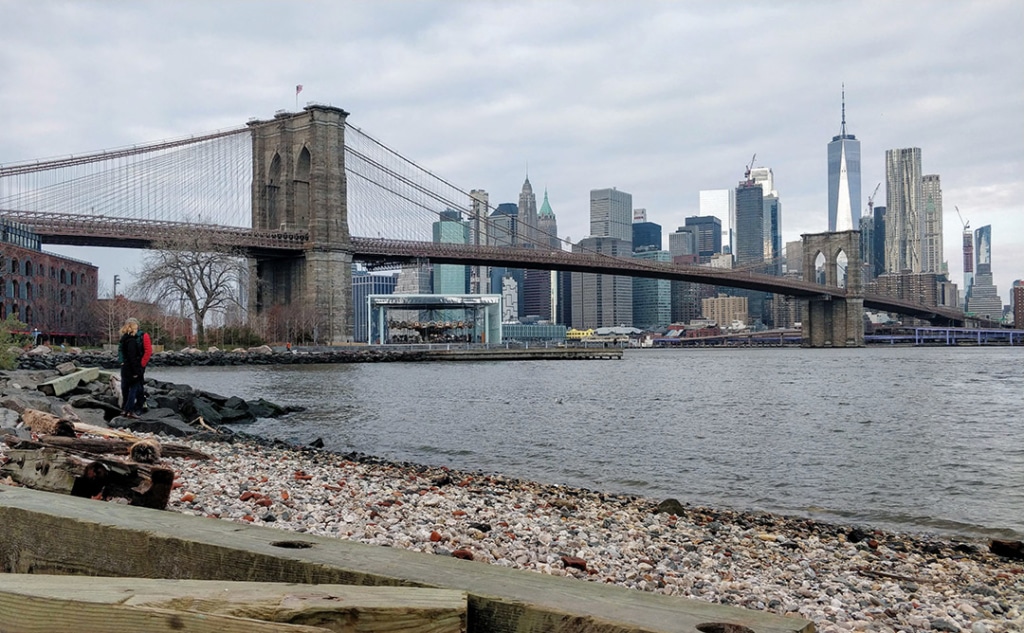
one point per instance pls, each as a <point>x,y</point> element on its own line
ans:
<point>834,321</point>
<point>299,183</point>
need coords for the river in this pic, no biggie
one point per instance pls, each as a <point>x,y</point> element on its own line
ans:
<point>912,439</point>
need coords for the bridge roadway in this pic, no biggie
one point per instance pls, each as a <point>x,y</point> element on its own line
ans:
<point>108,231</point>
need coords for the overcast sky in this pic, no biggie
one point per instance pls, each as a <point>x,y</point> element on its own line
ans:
<point>659,99</point>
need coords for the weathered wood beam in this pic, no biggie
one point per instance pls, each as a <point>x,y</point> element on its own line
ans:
<point>63,384</point>
<point>51,603</point>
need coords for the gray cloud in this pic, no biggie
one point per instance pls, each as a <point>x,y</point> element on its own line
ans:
<point>660,99</point>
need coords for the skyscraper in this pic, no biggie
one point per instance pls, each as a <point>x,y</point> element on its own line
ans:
<point>547,225</point>
<point>528,214</point>
<point>646,235</point>
<point>602,300</point>
<point>479,276</point>
<point>984,300</point>
<point>903,210</point>
<point>611,214</point>
<point>451,229</point>
<point>931,225</point>
<point>749,237</point>
<point>652,298</point>
<point>771,230</point>
<point>605,300</point>
<point>843,178</point>
<point>709,235</point>
<point>878,251</point>
<point>721,203</point>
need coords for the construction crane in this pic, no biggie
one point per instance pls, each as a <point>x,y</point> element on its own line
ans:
<point>746,175</point>
<point>871,200</point>
<point>967,225</point>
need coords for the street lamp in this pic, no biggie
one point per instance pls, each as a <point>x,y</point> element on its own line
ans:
<point>117,280</point>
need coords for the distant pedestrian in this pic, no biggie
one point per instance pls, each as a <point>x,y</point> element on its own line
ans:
<point>129,353</point>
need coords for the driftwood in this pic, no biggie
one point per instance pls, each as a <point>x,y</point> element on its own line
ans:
<point>56,470</point>
<point>47,423</point>
<point>101,446</point>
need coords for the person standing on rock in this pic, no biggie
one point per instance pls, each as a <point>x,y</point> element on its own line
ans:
<point>130,352</point>
<point>147,352</point>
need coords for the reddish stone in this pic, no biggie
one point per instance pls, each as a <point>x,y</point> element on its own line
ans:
<point>459,513</point>
<point>285,495</point>
<point>246,495</point>
<point>464,554</point>
<point>265,502</point>
<point>249,518</point>
<point>435,536</point>
<point>572,561</point>
<point>188,497</point>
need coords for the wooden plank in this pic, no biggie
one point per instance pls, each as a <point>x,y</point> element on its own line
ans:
<point>144,543</point>
<point>331,607</point>
<point>63,384</point>
<point>25,614</point>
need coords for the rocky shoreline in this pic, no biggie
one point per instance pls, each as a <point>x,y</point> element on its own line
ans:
<point>843,578</point>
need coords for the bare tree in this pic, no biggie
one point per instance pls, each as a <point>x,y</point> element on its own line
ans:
<point>192,272</point>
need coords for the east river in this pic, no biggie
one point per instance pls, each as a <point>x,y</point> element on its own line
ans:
<point>912,439</point>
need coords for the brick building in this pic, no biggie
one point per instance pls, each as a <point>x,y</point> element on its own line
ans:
<point>50,293</point>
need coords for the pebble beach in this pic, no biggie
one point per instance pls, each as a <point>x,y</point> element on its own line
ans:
<point>842,578</point>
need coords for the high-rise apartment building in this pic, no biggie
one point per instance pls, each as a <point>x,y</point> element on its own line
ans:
<point>931,225</point>
<point>723,310</point>
<point>903,210</point>
<point>843,179</point>
<point>611,214</point>
<point>968,246</point>
<point>709,235</point>
<point>528,214</point>
<point>983,299</point>
<point>721,203</point>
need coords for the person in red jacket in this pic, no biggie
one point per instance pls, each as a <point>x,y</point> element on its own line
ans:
<point>147,352</point>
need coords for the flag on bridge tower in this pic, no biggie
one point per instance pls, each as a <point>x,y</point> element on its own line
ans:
<point>298,89</point>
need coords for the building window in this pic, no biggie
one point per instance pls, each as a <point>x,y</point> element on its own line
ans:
<point>14,266</point>
<point>63,276</point>
<point>28,315</point>
<point>28,268</point>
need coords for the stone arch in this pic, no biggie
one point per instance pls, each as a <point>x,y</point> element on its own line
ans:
<point>303,168</point>
<point>275,194</point>
<point>842,264</point>
<point>819,267</point>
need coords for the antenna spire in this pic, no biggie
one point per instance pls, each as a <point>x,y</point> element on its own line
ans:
<point>842,129</point>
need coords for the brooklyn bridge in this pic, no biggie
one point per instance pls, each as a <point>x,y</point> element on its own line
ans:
<point>306,194</point>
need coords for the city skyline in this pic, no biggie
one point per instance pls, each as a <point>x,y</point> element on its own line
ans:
<point>475,93</point>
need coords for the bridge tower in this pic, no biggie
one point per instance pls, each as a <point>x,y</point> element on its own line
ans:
<point>832,321</point>
<point>298,163</point>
